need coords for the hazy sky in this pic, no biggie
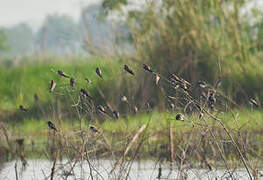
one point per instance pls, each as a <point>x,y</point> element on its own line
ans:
<point>34,11</point>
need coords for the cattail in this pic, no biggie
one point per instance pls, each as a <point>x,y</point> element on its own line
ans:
<point>126,68</point>
<point>62,74</point>
<point>22,108</point>
<point>147,68</point>
<point>72,82</point>
<point>179,117</point>
<point>116,114</point>
<point>99,73</point>
<point>87,80</point>
<point>52,126</point>
<point>52,85</point>
<point>157,78</point>
<point>93,129</point>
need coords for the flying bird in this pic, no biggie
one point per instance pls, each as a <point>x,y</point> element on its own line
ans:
<point>52,85</point>
<point>179,117</point>
<point>72,82</point>
<point>62,74</point>
<point>147,68</point>
<point>126,68</point>
<point>51,125</point>
<point>116,114</point>
<point>99,73</point>
<point>22,108</point>
<point>87,80</point>
<point>93,129</point>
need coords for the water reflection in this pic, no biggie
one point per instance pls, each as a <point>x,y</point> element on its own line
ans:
<point>100,169</point>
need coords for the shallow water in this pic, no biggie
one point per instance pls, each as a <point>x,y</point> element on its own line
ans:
<point>41,169</point>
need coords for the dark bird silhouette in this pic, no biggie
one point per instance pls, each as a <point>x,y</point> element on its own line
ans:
<point>36,97</point>
<point>52,85</point>
<point>85,93</point>
<point>22,108</point>
<point>253,102</point>
<point>99,73</point>
<point>87,80</point>
<point>147,68</point>
<point>211,99</point>
<point>179,117</point>
<point>101,109</point>
<point>72,82</point>
<point>126,68</point>
<point>116,114</point>
<point>93,129</point>
<point>51,125</point>
<point>62,74</point>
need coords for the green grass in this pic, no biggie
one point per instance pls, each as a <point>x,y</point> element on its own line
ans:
<point>237,119</point>
<point>19,84</point>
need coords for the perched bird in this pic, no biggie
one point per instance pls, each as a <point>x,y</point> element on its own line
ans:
<point>22,108</point>
<point>126,68</point>
<point>211,99</point>
<point>52,85</point>
<point>62,74</point>
<point>51,125</point>
<point>180,80</point>
<point>135,109</point>
<point>157,78</point>
<point>85,93</point>
<point>253,102</point>
<point>101,109</point>
<point>202,84</point>
<point>116,114</point>
<point>124,99</point>
<point>99,73</point>
<point>72,82</point>
<point>36,97</point>
<point>93,129</point>
<point>201,115</point>
<point>172,106</point>
<point>218,83</point>
<point>147,68</point>
<point>87,80</point>
<point>179,117</point>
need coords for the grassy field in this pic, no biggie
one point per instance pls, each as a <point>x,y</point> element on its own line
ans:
<point>19,83</point>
